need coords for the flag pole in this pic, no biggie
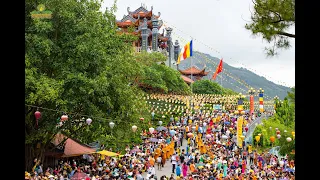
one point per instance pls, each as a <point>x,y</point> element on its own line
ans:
<point>221,82</point>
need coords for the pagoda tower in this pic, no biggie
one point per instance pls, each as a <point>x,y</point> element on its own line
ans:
<point>145,25</point>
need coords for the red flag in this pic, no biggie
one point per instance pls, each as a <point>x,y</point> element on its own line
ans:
<point>218,70</point>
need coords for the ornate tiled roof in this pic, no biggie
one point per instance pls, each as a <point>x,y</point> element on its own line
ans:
<point>186,79</point>
<point>194,71</point>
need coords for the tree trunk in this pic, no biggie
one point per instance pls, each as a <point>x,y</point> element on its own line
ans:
<point>31,153</point>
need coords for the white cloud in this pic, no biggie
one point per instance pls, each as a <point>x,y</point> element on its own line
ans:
<point>220,25</point>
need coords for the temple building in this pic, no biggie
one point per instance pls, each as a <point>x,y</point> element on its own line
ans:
<point>194,73</point>
<point>145,25</point>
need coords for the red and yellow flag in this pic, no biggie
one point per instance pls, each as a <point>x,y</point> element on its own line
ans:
<point>218,70</point>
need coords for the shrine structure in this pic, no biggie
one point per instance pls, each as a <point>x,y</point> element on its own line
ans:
<point>194,73</point>
<point>145,25</point>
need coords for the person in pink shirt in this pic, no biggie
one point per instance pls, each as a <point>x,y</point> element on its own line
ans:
<point>184,169</point>
<point>243,166</point>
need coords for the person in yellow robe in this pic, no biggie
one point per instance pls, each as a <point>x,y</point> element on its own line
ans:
<point>203,149</point>
<point>163,160</point>
<point>151,161</point>
<point>197,139</point>
<point>168,153</point>
<point>157,152</point>
<point>197,127</point>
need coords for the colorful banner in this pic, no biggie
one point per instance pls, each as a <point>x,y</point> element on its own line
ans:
<point>261,102</point>
<point>216,106</point>
<point>239,131</point>
<point>251,104</point>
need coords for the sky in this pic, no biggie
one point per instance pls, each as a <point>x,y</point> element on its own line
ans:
<point>217,28</point>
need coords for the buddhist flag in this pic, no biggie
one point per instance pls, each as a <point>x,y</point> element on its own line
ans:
<point>185,52</point>
<point>218,70</point>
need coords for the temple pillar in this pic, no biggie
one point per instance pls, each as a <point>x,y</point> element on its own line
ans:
<point>155,34</point>
<point>169,43</point>
<point>144,35</point>
<point>176,47</point>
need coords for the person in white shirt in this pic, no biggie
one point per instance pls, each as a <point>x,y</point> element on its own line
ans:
<point>173,162</point>
<point>152,170</point>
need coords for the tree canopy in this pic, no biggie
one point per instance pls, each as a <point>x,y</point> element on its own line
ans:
<point>272,19</point>
<point>208,87</point>
<point>78,64</point>
<point>283,119</point>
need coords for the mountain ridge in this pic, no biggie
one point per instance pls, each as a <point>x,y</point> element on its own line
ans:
<point>231,76</point>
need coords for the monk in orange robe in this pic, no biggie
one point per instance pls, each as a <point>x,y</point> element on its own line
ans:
<point>163,156</point>
<point>157,153</point>
<point>203,149</point>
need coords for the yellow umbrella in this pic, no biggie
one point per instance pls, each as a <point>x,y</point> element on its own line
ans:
<point>107,153</point>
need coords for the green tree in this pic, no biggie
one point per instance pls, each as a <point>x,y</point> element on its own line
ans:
<point>209,87</point>
<point>75,63</point>
<point>150,58</point>
<point>272,19</point>
<point>291,95</point>
<point>163,78</point>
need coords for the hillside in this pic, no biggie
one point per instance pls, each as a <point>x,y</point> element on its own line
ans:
<point>253,80</point>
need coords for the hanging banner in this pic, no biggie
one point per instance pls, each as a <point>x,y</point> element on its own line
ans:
<point>239,131</point>
<point>261,102</point>
<point>216,106</point>
<point>251,104</point>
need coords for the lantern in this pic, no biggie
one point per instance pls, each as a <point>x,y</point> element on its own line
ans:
<point>190,135</point>
<point>64,117</point>
<point>151,130</point>
<point>270,127</point>
<point>134,128</point>
<point>272,138</point>
<point>289,139</point>
<point>276,129</point>
<point>160,123</point>
<point>278,132</point>
<point>293,136</point>
<point>37,114</point>
<point>88,121</point>
<point>259,134</point>
<point>163,116</point>
<point>111,124</point>
<point>208,136</point>
<point>293,133</point>
<point>257,138</point>
<point>278,136</point>
<point>141,118</point>
<point>285,131</point>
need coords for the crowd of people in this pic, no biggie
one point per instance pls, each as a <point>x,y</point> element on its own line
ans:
<point>199,146</point>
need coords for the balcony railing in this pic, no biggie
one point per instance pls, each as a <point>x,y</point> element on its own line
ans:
<point>149,49</point>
